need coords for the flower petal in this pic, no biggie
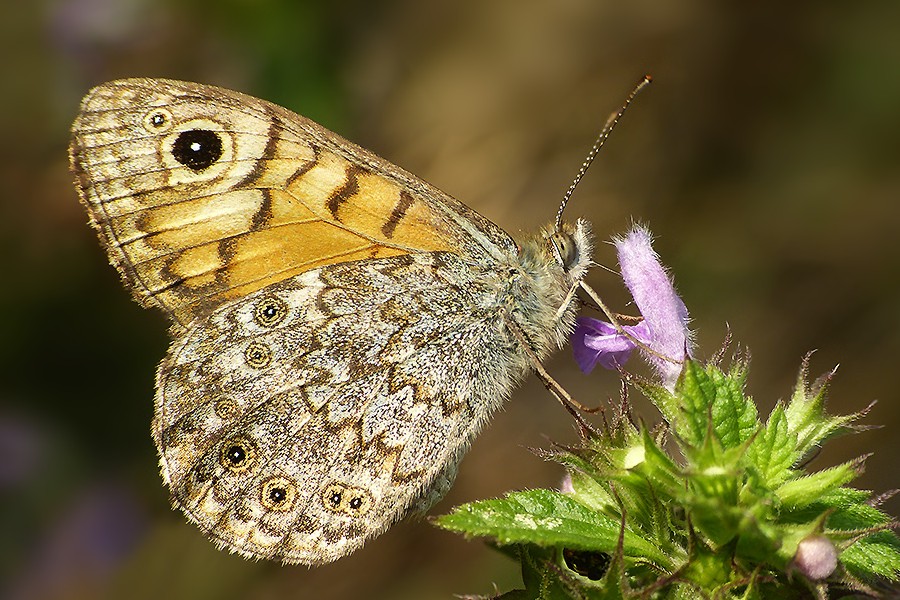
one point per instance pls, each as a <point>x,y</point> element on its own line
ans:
<point>664,312</point>
<point>597,342</point>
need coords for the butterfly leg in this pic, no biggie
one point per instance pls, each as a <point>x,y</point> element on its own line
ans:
<point>553,386</point>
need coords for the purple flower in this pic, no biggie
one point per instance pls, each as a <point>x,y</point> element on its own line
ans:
<point>664,328</point>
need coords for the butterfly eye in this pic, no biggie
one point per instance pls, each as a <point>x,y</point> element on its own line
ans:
<point>270,311</point>
<point>258,355</point>
<point>197,149</point>
<point>278,494</point>
<point>237,455</point>
<point>566,246</point>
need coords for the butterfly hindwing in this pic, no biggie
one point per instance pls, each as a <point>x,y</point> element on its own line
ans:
<point>284,418</point>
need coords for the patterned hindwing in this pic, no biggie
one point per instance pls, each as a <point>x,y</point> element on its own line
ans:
<point>202,195</point>
<point>309,416</point>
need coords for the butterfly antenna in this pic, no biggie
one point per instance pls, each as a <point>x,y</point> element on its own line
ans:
<point>601,139</point>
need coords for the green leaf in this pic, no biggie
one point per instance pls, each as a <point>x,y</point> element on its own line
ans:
<point>803,491</point>
<point>877,555</point>
<point>711,392</point>
<point>773,451</point>
<point>547,518</point>
<point>806,412</point>
<point>668,404</point>
<point>658,467</point>
<point>709,570</point>
<point>590,492</point>
<point>847,510</point>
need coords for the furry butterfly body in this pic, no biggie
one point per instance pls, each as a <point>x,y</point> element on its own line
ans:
<point>341,330</point>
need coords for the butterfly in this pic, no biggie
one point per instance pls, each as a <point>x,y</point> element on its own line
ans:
<point>341,330</point>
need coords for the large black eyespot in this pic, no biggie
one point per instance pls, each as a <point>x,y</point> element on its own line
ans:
<point>586,563</point>
<point>235,455</point>
<point>197,149</point>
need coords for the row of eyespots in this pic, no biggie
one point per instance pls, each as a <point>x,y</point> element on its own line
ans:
<point>353,501</point>
<point>238,455</point>
<point>268,312</point>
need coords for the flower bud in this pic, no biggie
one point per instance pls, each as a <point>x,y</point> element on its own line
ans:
<point>816,557</point>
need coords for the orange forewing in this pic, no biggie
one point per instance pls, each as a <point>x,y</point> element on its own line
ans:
<point>282,198</point>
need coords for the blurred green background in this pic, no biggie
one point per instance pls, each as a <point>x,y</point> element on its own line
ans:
<point>765,157</point>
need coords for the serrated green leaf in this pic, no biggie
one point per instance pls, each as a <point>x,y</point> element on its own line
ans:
<point>710,392</point>
<point>697,394</point>
<point>734,414</point>
<point>773,451</point>
<point>547,518</point>
<point>847,508</point>
<point>803,491</point>
<point>857,517</point>
<point>874,556</point>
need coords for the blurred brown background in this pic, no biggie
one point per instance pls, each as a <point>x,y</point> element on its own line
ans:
<point>764,157</point>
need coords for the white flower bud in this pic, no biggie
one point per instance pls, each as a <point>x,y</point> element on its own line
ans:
<point>816,557</point>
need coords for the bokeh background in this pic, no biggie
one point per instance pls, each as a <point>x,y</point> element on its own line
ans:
<point>765,157</point>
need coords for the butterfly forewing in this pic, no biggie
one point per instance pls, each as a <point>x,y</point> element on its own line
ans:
<point>203,195</point>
